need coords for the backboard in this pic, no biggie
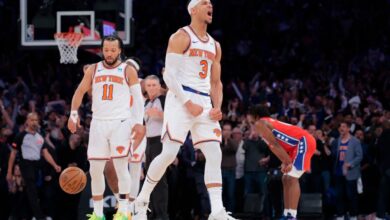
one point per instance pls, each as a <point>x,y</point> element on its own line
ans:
<point>41,19</point>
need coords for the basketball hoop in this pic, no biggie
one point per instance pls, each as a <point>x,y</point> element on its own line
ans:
<point>68,43</point>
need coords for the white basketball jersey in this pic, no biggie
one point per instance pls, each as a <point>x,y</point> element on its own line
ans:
<point>198,58</point>
<point>110,93</point>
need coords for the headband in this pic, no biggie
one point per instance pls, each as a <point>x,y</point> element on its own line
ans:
<point>192,4</point>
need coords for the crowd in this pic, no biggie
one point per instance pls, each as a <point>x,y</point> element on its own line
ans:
<point>316,64</point>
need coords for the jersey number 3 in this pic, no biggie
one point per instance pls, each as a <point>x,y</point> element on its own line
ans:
<point>107,92</point>
<point>205,68</point>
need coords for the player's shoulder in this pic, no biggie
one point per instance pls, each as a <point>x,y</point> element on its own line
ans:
<point>180,35</point>
<point>179,42</point>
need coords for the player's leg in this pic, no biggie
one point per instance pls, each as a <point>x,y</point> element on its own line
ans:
<point>135,174</point>
<point>158,166</point>
<point>206,135</point>
<point>177,123</point>
<point>120,149</point>
<point>111,178</point>
<point>98,154</point>
<point>291,187</point>
<point>135,166</point>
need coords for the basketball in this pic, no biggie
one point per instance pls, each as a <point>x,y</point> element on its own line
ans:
<point>73,180</point>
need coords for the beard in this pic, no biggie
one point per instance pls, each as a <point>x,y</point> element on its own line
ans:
<point>111,63</point>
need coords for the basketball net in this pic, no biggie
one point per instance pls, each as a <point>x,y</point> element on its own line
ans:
<point>68,43</point>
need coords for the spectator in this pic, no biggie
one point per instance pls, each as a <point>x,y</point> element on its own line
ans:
<point>229,148</point>
<point>348,155</point>
<point>240,159</point>
<point>256,158</point>
<point>384,167</point>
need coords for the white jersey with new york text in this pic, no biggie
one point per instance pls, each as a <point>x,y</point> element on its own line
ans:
<point>198,59</point>
<point>110,92</point>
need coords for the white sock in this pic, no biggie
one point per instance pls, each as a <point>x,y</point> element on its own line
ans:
<point>147,189</point>
<point>215,194</point>
<point>123,205</point>
<point>293,212</point>
<point>285,212</point>
<point>98,207</point>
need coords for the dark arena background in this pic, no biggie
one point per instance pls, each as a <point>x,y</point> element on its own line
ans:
<point>315,63</point>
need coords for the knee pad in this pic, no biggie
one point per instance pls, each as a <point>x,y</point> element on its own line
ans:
<point>96,170</point>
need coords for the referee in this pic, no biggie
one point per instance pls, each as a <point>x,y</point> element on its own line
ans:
<point>28,147</point>
<point>154,107</point>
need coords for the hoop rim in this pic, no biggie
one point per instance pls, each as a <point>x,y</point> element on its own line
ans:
<point>68,35</point>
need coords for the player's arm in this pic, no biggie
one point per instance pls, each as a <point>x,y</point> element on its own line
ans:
<point>264,130</point>
<point>177,45</point>
<point>136,91</point>
<point>84,86</point>
<point>216,85</point>
<point>137,109</point>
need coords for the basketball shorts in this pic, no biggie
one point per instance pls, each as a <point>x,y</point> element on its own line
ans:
<point>137,153</point>
<point>178,121</point>
<point>109,139</point>
<point>302,154</point>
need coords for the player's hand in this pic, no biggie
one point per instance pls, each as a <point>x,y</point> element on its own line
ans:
<point>194,109</point>
<point>57,168</point>
<point>285,168</point>
<point>137,133</point>
<point>73,122</point>
<point>9,178</point>
<point>215,114</point>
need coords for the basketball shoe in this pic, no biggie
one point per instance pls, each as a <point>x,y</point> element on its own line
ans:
<point>139,210</point>
<point>221,215</point>
<point>93,216</point>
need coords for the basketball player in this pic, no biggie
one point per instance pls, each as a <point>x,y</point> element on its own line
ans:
<point>111,82</point>
<point>293,146</point>
<point>135,159</point>
<point>193,103</point>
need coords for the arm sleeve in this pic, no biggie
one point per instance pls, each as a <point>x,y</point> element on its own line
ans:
<point>172,62</point>
<point>138,109</point>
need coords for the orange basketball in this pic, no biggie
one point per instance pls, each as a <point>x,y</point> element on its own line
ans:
<point>73,180</point>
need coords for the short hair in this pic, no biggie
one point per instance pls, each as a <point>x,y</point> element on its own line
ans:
<point>346,123</point>
<point>153,77</point>
<point>112,38</point>
<point>259,111</point>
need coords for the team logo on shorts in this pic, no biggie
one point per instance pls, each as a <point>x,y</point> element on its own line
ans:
<point>217,132</point>
<point>120,149</point>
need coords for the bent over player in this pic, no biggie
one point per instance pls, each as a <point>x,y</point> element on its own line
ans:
<point>293,146</point>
